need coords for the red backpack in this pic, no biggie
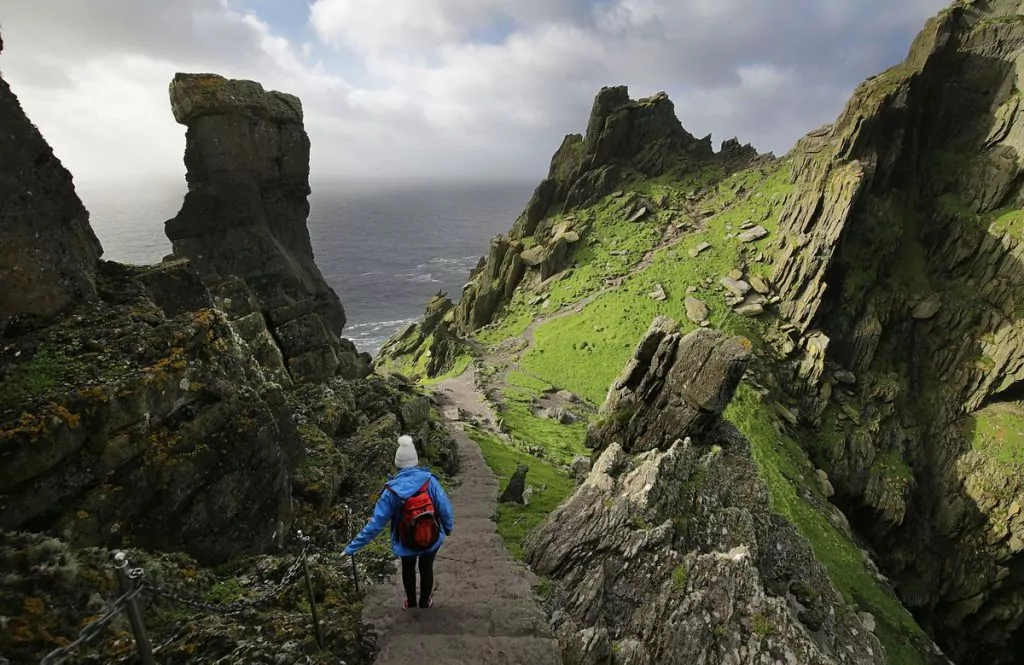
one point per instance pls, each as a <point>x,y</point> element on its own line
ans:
<point>417,523</point>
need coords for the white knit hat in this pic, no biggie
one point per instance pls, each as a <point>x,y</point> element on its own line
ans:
<point>406,456</point>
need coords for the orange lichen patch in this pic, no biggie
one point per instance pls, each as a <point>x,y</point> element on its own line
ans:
<point>33,605</point>
<point>94,394</point>
<point>72,419</point>
<point>161,370</point>
<point>205,318</point>
<point>30,424</point>
<point>163,445</point>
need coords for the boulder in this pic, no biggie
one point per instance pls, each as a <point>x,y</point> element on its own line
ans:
<point>824,485</point>
<point>534,256</point>
<point>580,468</point>
<point>750,309</point>
<point>927,308</point>
<point>754,234</point>
<point>759,285</point>
<point>737,287</point>
<point>696,310</point>
<point>696,251</point>
<point>513,492</point>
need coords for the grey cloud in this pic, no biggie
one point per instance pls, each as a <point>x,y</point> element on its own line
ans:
<point>177,30</point>
<point>826,47</point>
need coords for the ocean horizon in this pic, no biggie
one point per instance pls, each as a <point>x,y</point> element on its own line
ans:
<point>385,247</point>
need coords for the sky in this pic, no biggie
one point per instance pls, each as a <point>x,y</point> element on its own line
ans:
<point>440,88</point>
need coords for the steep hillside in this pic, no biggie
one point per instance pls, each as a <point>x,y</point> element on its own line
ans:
<point>875,270</point>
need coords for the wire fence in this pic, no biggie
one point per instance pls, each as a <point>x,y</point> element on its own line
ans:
<point>132,584</point>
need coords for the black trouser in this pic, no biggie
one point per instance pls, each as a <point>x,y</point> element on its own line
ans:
<point>426,577</point>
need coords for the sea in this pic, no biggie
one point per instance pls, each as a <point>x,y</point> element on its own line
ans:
<point>385,247</point>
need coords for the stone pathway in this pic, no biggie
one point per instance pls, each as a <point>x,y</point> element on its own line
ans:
<point>484,609</point>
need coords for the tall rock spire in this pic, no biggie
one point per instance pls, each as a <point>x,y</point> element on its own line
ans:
<point>247,161</point>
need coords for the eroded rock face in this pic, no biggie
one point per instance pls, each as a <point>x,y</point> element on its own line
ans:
<point>902,262</point>
<point>430,342</point>
<point>49,252</point>
<point>671,384</point>
<point>144,418</point>
<point>672,556</point>
<point>244,216</point>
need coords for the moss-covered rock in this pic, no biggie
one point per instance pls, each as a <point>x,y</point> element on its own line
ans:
<point>676,549</point>
<point>147,419</point>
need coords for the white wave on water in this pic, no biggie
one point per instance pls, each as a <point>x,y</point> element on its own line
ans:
<point>371,336</point>
<point>447,264</point>
<point>418,277</point>
<point>427,273</point>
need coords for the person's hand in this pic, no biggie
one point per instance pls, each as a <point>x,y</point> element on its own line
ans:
<point>348,551</point>
<point>447,532</point>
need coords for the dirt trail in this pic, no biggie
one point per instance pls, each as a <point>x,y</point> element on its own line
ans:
<point>484,609</point>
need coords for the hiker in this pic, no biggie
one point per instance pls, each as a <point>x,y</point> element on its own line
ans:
<point>420,515</point>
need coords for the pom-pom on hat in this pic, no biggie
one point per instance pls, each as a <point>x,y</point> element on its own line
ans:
<point>406,456</point>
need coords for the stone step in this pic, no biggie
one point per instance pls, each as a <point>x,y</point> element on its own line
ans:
<point>456,649</point>
<point>512,618</point>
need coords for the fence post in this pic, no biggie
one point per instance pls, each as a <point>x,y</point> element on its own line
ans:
<point>309,591</point>
<point>132,609</point>
<point>355,574</point>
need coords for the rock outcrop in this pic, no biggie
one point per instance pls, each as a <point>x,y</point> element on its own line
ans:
<point>672,556</point>
<point>687,381</point>
<point>624,138</point>
<point>901,265</point>
<point>49,252</point>
<point>132,421</point>
<point>244,216</point>
<point>430,345</point>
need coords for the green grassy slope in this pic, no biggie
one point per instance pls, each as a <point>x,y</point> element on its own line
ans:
<point>583,352</point>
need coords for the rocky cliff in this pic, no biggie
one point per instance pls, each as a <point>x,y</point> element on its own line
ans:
<point>244,217</point>
<point>195,413</point>
<point>900,270</point>
<point>672,555</point>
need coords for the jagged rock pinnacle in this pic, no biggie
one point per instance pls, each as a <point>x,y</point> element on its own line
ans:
<point>244,216</point>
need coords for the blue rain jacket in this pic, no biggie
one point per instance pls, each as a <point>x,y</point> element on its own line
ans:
<point>405,483</point>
